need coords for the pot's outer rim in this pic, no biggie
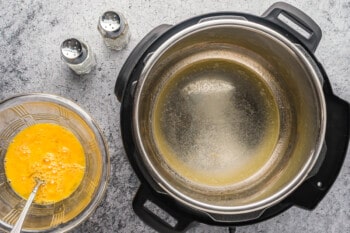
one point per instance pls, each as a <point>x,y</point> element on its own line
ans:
<point>267,202</point>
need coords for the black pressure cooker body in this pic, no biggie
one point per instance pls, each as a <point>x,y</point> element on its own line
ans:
<point>306,196</point>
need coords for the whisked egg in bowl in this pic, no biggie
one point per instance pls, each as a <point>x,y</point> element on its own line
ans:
<point>50,138</point>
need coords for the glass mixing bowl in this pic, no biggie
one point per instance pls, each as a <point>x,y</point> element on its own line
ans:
<point>22,111</point>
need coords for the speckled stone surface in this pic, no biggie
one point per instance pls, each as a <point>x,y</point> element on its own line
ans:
<point>30,35</point>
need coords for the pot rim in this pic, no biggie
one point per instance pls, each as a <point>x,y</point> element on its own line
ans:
<point>287,189</point>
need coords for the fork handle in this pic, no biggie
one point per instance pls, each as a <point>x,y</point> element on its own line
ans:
<point>18,226</point>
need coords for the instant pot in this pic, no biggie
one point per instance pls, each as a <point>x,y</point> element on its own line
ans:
<point>228,119</point>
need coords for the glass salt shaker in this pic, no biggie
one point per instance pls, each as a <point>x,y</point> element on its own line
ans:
<point>78,56</point>
<point>114,29</point>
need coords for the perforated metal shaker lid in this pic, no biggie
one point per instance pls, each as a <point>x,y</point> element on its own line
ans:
<point>111,24</point>
<point>73,51</point>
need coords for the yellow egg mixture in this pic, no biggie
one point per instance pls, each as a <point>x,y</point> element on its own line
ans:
<point>49,152</point>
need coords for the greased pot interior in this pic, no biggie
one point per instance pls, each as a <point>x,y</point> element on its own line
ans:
<point>229,116</point>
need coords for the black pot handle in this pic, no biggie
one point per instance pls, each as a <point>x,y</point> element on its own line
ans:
<point>298,17</point>
<point>313,190</point>
<point>134,57</point>
<point>142,196</point>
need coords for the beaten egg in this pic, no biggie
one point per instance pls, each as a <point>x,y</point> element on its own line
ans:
<point>48,152</point>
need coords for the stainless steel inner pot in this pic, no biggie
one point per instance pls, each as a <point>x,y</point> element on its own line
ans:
<point>229,116</point>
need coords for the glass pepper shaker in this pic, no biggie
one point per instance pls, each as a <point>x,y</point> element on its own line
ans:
<point>78,56</point>
<point>114,29</point>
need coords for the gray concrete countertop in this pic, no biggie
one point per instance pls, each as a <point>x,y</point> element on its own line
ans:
<point>30,35</point>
